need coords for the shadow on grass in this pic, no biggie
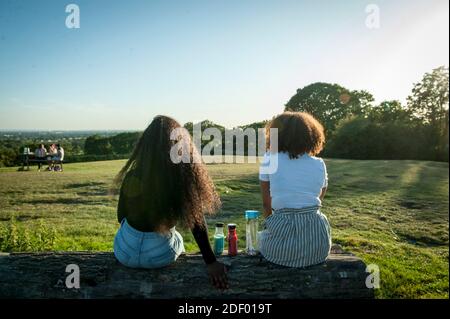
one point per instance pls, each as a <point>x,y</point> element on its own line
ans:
<point>427,192</point>
<point>82,185</point>
<point>66,201</point>
<point>20,218</point>
<point>352,178</point>
<point>99,192</point>
<point>424,240</point>
<point>90,189</point>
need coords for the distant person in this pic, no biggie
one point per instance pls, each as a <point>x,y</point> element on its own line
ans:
<point>155,195</point>
<point>52,155</point>
<point>59,153</point>
<point>40,154</point>
<point>297,234</point>
<point>58,158</point>
<point>52,150</point>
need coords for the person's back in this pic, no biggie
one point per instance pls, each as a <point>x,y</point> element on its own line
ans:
<point>298,182</point>
<point>297,234</point>
<point>40,152</point>
<point>132,207</point>
<point>60,153</point>
<point>156,194</point>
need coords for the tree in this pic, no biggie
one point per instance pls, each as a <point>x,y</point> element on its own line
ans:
<point>97,145</point>
<point>330,103</point>
<point>204,139</point>
<point>429,98</point>
<point>429,103</point>
<point>8,156</point>
<point>389,111</point>
<point>123,143</point>
<point>363,138</point>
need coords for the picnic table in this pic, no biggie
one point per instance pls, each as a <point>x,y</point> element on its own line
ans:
<point>29,158</point>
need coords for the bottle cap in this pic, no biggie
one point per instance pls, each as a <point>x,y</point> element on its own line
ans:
<point>251,214</point>
<point>219,224</point>
<point>231,226</point>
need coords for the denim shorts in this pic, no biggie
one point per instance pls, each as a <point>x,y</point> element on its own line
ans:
<point>137,249</point>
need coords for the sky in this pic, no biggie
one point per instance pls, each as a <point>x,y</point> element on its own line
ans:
<point>232,62</point>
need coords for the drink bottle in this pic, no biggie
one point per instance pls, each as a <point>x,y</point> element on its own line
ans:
<point>232,240</point>
<point>219,239</point>
<point>251,231</point>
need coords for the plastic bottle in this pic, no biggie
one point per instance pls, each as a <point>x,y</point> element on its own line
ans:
<point>219,239</point>
<point>251,231</point>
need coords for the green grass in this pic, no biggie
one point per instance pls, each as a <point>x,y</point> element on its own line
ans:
<point>391,213</point>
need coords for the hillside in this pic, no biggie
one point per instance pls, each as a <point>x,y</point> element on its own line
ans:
<point>391,213</point>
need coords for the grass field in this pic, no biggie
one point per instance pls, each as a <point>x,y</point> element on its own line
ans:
<point>391,213</point>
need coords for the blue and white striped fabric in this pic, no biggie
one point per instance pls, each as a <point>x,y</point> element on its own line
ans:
<point>296,237</point>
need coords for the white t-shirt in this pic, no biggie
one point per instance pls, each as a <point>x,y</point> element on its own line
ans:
<point>296,183</point>
<point>60,154</point>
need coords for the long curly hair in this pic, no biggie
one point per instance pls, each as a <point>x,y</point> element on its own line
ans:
<point>171,192</point>
<point>298,133</point>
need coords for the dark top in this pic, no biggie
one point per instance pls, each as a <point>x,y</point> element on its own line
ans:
<point>130,208</point>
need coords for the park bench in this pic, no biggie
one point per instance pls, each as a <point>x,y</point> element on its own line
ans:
<point>44,275</point>
<point>28,159</point>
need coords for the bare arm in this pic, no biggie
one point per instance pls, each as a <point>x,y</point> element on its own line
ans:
<point>200,232</point>
<point>322,193</point>
<point>121,209</point>
<point>267,200</point>
<point>216,270</point>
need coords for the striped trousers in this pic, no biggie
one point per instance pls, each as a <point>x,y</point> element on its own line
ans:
<point>296,237</point>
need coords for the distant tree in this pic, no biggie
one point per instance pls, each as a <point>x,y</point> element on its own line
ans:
<point>361,102</point>
<point>209,124</point>
<point>429,103</point>
<point>429,98</point>
<point>77,149</point>
<point>204,125</point>
<point>124,143</point>
<point>255,125</point>
<point>330,103</point>
<point>189,127</point>
<point>363,138</point>
<point>389,111</point>
<point>97,145</point>
<point>8,156</point>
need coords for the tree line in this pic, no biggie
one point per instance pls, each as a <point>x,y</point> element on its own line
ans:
<point>356,127</point>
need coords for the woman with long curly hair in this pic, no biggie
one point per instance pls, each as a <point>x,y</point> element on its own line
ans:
<point>156,194</point>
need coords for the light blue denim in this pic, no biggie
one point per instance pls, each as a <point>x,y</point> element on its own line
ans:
<point>137,249</point>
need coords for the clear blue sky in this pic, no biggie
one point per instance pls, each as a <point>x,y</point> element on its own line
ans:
<point>233,62</point>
